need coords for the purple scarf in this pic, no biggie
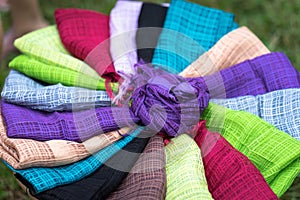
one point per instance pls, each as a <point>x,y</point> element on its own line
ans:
<point>260,75</point>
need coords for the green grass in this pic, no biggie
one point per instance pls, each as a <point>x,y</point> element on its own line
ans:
<point>276,23</point>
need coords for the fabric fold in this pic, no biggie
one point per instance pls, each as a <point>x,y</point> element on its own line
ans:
<point>260,75</point>
<point>44,45</point>
<point>185,171</point>
<point>275,153</point>
<point>85,33</point>
<point>52,74</point>
<point>230,174</point>
<point>22,90</point>
<point>280,108</point>
<point>150,23</point>
<point>147,178</point>
<point>103,181</point>
<point>41,179</point>
<point>44,58</point>
<point>25,153</point>
<point>235,47</point>
<point>77,126</point>
<point>122,35</point>
<point>195,29</point>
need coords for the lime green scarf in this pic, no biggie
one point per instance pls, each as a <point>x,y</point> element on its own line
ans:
<point>185,171</point>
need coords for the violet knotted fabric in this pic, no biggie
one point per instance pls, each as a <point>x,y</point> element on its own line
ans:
<point>229,174</point>
<point>235,47</point>
<point>85,33</point>
<point>147,178</point>
<point>22,90</point>
<point>150,23</point>
<point>280,108</point>
<point>260,75</point>
<point>165,102</point>
<point>122,35</point>
<point>189,30</point>
<point>103,181</point>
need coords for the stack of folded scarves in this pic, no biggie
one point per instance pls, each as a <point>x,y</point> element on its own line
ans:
<point>230,123</point>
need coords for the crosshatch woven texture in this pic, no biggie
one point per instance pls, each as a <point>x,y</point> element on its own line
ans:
<point>230,174</point>
<point>85,33</point>
<point>104,180</point>
<point>46,59</point>
<point>25,153</point>
<point>263,74</point>
<point>153,187</point>
<point>235,47</point>
<point>41,179</point>
<point>76,126</point>
<point>147,179</point>
<point>52,74</point>
<point>185,172</point>
<point>151,16</point>
<point>280,108</point>
<point>22,90</point>
<point>260,75</point>
<point>122,35</point>
<point>45,45</point>
<point>275,153</point>
<point>195,29</point>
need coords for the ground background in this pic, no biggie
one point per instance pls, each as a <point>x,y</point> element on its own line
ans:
<point>276,23</point>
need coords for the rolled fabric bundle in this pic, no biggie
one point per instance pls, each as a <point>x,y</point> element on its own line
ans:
<point>45,45</point>
<point>122,35</point>
<point>102,182</point>
<point>41,179</point>
<point>195,29</point>
<point>275,153</point>
<point>235,47</point>
<point>147,178</point>
<point>22,90</point>
<point>77,126</point>
<point>280,108</point>
<point>185,171</point>
<point>85,33</point>
<point>150,23</point>
<point>260,75</point>
<point>52,74</point>
<point>25,153</point>
<point>166,102</point>
<point>230,174</point>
